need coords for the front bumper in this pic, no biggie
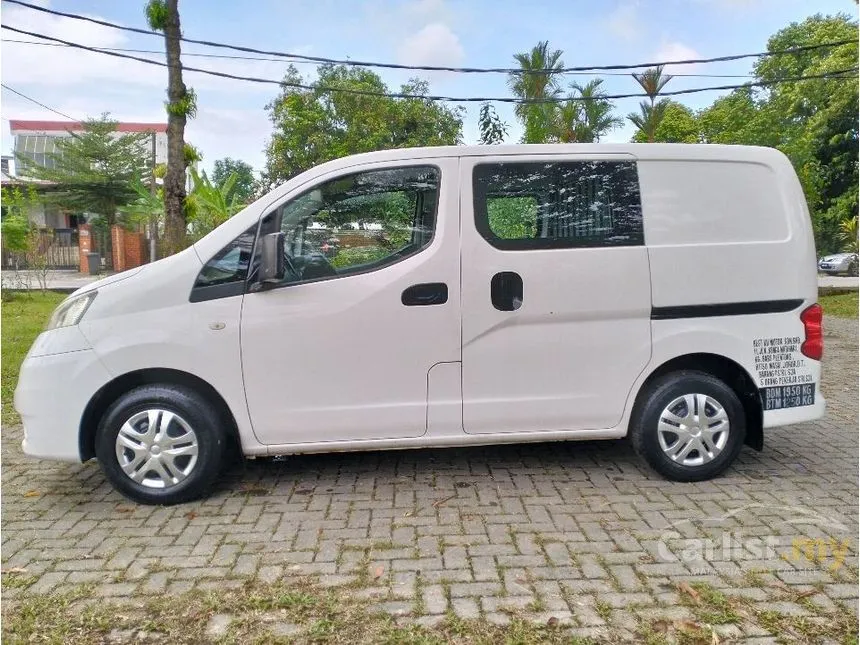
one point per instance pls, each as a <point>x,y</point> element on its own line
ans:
<point>52,392</point>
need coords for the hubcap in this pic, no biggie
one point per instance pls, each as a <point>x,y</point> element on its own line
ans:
<point>156,448</point>
<point>693,429</point>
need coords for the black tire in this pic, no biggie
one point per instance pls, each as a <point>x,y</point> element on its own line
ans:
<point>644,433</point>
<point>852,270</point>
<point>197,413</point>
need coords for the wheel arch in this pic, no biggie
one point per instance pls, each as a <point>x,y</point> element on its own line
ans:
<point>111,391</point>
<point>728,371</point>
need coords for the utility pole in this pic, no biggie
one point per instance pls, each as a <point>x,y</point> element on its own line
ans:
<point>153,217</point>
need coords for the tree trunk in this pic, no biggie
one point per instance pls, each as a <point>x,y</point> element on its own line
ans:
<point>174,178</point>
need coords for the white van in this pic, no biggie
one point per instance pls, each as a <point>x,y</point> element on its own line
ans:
<point>451,296</point>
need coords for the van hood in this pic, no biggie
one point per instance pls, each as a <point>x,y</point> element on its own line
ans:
<point>117,277</point>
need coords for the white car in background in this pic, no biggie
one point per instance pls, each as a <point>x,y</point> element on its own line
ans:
<point>839,263</point>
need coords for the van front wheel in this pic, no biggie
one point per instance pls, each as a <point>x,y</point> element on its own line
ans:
<point>689,426</point>
<point>161,444</point>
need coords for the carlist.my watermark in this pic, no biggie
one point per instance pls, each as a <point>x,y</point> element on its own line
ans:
<point>827,547</point>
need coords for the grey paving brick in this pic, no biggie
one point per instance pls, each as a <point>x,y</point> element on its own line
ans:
<point>543,529</point>
<point>435,600</point>
<point>466,608</point>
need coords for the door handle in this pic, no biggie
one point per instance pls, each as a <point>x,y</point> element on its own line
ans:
<point>424,294</point>
<point>506,291</point>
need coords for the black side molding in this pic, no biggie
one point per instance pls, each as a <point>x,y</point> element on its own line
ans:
<point>725,309</point>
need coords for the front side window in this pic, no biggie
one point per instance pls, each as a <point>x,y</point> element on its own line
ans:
<point>230,264</point>
<point>533,205</point>
<point>359,222</point>
<point>224,275</point>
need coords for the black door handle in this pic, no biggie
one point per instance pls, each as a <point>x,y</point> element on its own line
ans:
<point>426,293</point>
<point>506,291</point>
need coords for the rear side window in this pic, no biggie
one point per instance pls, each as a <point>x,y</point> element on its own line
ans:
<point>534,205</point>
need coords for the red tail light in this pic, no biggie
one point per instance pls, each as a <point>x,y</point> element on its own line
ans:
<point>813,346</point>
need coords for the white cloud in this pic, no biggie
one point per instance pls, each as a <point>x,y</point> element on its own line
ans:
<point>677,51</point>
<point>434,44</point>
<point>228,132</point>
<point>428,10</point>
<point>624,22</point>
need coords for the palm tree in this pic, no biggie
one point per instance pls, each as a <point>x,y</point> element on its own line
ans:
<point>568,120</point>
<point>649,117</point>
<point>596,114</point>
<point>538,80</point>
<point>587,116</point>
<point>652,81</point>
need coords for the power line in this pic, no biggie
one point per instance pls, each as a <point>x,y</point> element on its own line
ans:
<point>434,68</point>
<point>422,97</point>
<point>32,100</point>
<point>305,62</point>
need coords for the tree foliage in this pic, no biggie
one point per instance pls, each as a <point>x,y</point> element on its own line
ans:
<point>652,111</point>
<point>210,203</point>
<point>848,234</point>
<point>676,123</point>
<point>538,119</point>
<point>313,126</point>
<point>94,170</point>
<point>493,129</point>
<point>814,122</point>
<point>16,200</point>
<point>586,116</point>
<point>243,187</point>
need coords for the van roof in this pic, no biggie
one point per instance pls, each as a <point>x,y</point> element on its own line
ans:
<point>674,151</point>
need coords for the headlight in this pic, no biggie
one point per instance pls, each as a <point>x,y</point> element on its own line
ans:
<point>71,311</point>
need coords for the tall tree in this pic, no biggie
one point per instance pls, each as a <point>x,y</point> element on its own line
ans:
<point>677,124</point>
<point>243,186</point>
<point>493,129</point>
<point>317,125</point>
<point>587,116</point>
<point>648,120</point>
<point>651,112</point>
<point>538,80</point>
<point>737,118</point>
<point>163,15</point>
<point>817,120</point>
<point>813,122</point>
<point>95,171</point>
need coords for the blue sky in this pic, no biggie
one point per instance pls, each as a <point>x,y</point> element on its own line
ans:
<point>232,120</point>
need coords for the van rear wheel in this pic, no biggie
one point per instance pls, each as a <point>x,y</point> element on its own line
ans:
<point>161,444</point>
<point>689,426</point>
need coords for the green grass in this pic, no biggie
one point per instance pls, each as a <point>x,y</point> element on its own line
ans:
<point>323,616</point>
<point>23,317</point>
<point>843,305</point>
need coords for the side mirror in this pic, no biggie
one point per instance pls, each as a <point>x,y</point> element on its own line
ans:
<point>272,258</point>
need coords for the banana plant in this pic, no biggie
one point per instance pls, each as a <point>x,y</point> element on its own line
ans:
<point>209,205</point>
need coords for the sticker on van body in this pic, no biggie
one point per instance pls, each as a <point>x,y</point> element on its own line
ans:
<point>787,396</point>
<point>778,361</point>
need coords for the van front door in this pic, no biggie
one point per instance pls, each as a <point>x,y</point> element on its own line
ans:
<point>340,350</point>
<point>556,292</point>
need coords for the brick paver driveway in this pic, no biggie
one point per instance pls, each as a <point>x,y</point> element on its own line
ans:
<point>579,531</point>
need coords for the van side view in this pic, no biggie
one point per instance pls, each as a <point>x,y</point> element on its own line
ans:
<point>451,296</point>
